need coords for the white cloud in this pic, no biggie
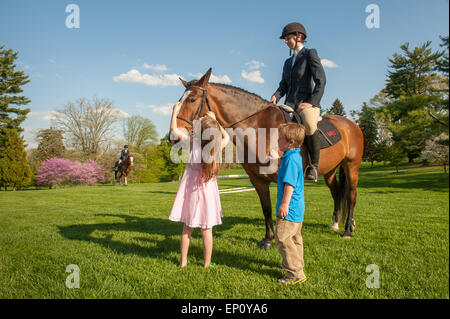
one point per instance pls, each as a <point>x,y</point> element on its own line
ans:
<point>328,63</point>
<point>46,116</point>
<point>254,65</point>
<point>214,78</point>
<point>120,114</point>
<point>24,65</point>
<point>134,76</point>
<point>254,76</point>
<point>220,79</point>
<point>165,110</point>
<point>51,61</point>
<point>157,67</point>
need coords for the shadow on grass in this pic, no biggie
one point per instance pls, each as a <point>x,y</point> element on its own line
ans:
<point>162,248</point>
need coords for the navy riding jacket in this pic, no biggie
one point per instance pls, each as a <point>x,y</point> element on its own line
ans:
<point>304,81</point>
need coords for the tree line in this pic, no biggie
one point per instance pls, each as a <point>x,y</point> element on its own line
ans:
<point>409,117</point>
<point>82,131</point>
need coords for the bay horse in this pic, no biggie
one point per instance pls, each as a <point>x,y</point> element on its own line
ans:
<point>124,169</point>
<point>237,108</point>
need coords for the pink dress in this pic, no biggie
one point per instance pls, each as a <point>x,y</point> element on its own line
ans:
<point>197,204</point>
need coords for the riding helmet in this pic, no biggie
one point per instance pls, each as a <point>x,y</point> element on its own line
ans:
<point>293,27</point>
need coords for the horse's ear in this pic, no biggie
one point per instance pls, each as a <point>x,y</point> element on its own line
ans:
<point>184,83</point>
<point>205,78</point>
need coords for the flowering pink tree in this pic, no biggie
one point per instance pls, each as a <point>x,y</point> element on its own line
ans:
<point>54,171</point>
<point>89,173</point>
<point>61,171</point>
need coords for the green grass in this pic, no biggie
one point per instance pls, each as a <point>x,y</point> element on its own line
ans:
<point>126,247</point>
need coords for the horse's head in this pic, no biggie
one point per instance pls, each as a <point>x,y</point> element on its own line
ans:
<point>130,159</point>
<point>194,102</point>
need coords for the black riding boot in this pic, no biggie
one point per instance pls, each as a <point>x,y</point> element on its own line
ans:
<point>312,172</point>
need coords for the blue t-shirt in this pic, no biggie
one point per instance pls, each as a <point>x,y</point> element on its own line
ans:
<point>291,171</point>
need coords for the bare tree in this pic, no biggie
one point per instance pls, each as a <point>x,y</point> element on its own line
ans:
<point>88,123</point>
<point>139,131</point>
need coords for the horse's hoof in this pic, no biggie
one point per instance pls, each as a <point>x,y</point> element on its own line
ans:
<point>334,228</point>
<point>347,236</point>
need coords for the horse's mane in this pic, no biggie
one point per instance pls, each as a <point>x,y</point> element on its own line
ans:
<point>238,89</point>
<point>258,102</point>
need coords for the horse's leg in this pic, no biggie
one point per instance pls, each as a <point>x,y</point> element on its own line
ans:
<point>331,181</point>
<point>263,191</point>
<point>352,173</point>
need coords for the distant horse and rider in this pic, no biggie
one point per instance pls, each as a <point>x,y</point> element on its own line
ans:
<point>123,166</point>
<point>237,108</point>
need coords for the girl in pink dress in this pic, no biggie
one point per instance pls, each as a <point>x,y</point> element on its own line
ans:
<point>197,203</point>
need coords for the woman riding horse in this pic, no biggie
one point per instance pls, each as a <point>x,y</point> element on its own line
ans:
<point>299,72</point>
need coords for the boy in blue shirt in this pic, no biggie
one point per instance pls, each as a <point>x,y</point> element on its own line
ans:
<point>290,203</point>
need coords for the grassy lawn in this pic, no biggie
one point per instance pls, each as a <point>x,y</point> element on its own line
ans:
<point>125,247</point>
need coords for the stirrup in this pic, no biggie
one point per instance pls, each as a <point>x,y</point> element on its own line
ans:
<point>316,177</point>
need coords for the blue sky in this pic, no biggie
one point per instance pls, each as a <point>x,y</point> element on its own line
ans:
<point>132,52</point>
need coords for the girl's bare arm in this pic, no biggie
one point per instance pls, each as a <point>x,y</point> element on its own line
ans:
<point>173,123</point>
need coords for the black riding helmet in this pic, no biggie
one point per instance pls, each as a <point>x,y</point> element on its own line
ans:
<point>294,28</point>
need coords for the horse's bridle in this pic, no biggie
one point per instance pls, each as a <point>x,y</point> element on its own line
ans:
<point>200,108</point>
<point>206,100</point>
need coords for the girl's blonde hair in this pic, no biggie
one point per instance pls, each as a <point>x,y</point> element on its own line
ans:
<point>211,169</point>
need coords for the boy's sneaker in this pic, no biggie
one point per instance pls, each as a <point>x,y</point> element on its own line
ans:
<point>292,281</point>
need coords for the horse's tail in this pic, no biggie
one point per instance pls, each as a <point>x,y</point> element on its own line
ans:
<point>342,197</point>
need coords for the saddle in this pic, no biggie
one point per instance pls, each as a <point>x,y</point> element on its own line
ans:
<point>329,134</point>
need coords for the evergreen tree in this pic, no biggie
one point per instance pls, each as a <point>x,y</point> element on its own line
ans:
<point>410,124</point>
<point>395,155</point>
<point>414,96</point>
<point>14,169</point>
<point>411,71</point>
<point>369,126</point>
<point>11,116</point>
<point>336,109</point>
<point>443,65</point>
<point>440,111</point>
<point>50,144</point>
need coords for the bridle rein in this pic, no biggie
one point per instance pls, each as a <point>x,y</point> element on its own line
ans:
<point>202,105</point>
